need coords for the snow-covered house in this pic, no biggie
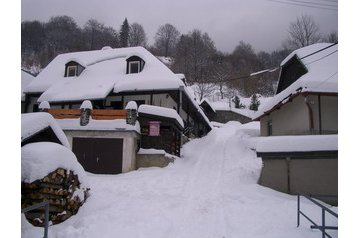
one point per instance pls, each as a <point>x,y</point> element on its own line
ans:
<point>306,100</point>
<point>110,78</point>
<point>299,125</point>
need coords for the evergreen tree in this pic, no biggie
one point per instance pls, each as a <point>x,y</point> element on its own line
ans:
<point>237,102</point>
<point>255,103</point>
<point>124,34</point>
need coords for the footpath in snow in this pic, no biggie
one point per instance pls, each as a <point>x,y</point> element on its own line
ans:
<point>211,192</point>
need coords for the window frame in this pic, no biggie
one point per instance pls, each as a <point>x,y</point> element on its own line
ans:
<point>71,67</point>
<point>130,66</point>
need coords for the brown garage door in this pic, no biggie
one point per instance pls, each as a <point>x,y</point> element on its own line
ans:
<point>99,155</point>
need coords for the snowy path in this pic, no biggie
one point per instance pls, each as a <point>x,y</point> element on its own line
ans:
<point>211,192</point>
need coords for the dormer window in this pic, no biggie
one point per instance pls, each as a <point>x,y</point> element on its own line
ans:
<point>73,68</point>
<point>135,65</point>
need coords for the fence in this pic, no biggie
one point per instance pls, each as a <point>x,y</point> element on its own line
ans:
<point>47,209</point>
<point>323,227</point>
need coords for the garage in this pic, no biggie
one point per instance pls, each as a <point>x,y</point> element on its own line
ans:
<point>99,155</point>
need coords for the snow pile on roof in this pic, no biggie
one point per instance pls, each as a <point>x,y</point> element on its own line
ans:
<point>161,111</point>
<point>41,158</point>
<point>105,70</point>
<point>131,105</point>
<point>322,74</point>
<point>26,79</point>
<point>86,104</point>
<point>98,125</point>
<point>32,123</point>
<point>166,60</point>
<point>298,143</point>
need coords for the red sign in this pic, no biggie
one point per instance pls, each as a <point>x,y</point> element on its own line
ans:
<point>154,128</point>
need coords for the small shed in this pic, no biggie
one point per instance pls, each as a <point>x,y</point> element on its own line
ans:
<point>41,127</point>
<point>161,128</point>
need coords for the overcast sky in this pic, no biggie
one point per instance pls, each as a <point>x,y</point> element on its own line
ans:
<point>262,23</point>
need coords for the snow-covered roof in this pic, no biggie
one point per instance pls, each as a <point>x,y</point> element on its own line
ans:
<point>32,123</point>
<point>26,79</point>
<point>322,75</point>
<point>208,102</point>
<point>161,111</point>
<point>105,71</point>
<point>41,158</point>
<point>98,125</point>
<point>301,143</point>
<point>225,106</point>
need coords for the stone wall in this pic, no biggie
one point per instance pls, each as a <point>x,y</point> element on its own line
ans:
<point>225,116</point>
<point>153,160</point>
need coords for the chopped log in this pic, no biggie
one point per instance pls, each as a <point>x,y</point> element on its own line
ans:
<point>58,188</point>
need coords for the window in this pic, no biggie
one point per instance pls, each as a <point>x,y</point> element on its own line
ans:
<point>134,67</point>
<point>71,71</point>
<point>269,128</point>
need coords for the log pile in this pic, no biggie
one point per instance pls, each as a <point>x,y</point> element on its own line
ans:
<point>61,188</point>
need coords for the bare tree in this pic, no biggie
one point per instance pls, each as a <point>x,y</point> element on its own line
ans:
<point>97,35</point>
<point>221,73</point>
<point>303,32</point>
<point>204,89</point>
<point>166,39</point>
<point>331,37</point>
<point>137,36</point>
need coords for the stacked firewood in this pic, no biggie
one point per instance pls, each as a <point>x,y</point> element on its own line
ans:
<point>61,188</point>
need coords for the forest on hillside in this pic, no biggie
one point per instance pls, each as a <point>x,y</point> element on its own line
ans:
<point>193,53</point>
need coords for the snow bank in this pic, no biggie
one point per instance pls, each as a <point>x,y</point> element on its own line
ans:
<point>211,192</point>
<point>32,123</point>
<point>41,158</point>
<point>298,143</point>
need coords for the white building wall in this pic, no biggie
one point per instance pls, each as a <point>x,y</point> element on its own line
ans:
<point>129,144</point>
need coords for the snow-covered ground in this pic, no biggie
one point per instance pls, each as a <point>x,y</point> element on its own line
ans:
<point>211,192</point>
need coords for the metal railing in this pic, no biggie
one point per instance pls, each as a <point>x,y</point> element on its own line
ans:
<point>47,210</point>
<point>323,227</point>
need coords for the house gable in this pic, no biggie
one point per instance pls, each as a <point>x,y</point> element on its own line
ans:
<point>290,72</point>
